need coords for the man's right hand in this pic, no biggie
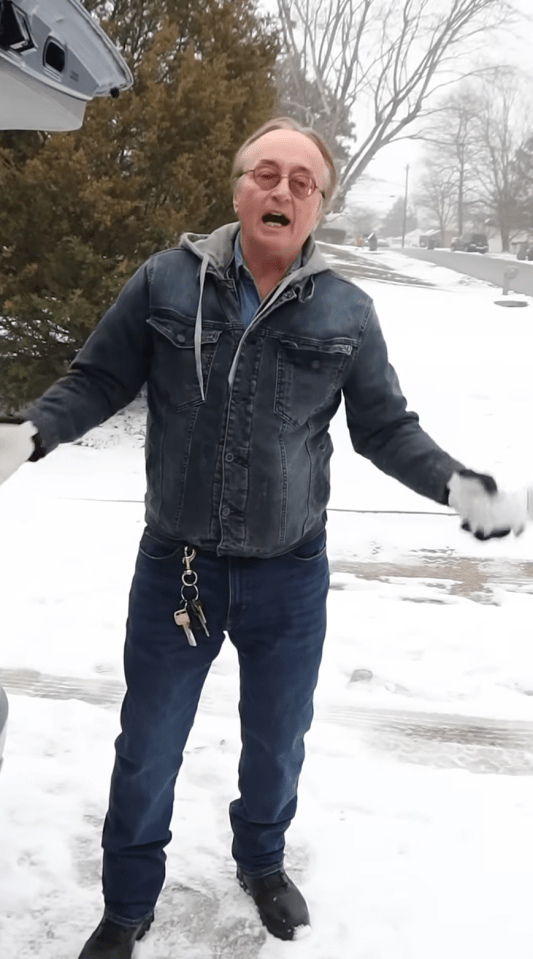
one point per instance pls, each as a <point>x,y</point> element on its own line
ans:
<point>484,510</point>
<point>17,444</point>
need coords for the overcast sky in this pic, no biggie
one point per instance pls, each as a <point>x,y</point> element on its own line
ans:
<point>387,170</point>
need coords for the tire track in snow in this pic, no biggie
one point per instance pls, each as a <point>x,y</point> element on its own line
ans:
<point>441,740</point>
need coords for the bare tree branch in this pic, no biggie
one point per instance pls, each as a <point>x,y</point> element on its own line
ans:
<point>382,60</point>
<point>478,134</point>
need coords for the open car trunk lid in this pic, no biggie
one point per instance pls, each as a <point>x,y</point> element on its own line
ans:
<point>54,59</point>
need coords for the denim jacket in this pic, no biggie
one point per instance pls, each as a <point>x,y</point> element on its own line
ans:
<point>237,443</point>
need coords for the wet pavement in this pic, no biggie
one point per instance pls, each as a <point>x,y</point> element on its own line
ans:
<point>475,579</point>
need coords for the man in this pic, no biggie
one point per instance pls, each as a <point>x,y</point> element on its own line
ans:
<point>247,341</point>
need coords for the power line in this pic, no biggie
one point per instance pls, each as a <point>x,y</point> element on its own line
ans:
<point>330,509</point>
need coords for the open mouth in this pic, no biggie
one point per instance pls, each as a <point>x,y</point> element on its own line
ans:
<point>277,219</point>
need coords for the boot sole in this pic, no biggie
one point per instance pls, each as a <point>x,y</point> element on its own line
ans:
<point>243,885</point>
<point>144,928</point>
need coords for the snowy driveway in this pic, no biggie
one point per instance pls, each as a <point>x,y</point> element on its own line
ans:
<point>414,833</point>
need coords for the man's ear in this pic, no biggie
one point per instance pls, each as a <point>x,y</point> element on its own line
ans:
<point>235,201</point>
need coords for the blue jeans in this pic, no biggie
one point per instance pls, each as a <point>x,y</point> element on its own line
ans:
<point>274,611</point>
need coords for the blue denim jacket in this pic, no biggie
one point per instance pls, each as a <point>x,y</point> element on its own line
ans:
<point>237,441</point>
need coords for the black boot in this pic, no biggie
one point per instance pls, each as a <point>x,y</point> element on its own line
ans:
<point>281,905</point>
<point>111,941</point>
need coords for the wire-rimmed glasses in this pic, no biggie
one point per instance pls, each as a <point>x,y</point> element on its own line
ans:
<point>301,185</point>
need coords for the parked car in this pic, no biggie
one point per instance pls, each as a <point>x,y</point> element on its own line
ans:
<point>470,243</point>
<point>54,58</point>
<point>525,250</point>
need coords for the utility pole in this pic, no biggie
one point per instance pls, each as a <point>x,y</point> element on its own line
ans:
<point>405,205</point>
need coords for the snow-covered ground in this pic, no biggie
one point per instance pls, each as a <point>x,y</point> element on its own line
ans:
<point>396,860</point>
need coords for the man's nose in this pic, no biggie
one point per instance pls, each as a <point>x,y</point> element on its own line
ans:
<point>282,188</point>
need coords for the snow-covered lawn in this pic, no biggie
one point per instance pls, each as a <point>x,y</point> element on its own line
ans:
<point>396,860</point>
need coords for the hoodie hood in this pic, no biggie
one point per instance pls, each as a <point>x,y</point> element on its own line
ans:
<point>215,252</point>
<point>217,247</point>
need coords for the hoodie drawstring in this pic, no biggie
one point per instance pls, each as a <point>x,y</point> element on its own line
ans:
<point>264,305</point>
<point>198,328</point>
<point>273,295</point>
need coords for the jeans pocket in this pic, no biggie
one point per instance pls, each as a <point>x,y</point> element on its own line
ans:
<point>153,549</point>
<point>312,549</point>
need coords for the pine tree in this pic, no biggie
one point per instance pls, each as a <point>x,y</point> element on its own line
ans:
<point>79,211</point>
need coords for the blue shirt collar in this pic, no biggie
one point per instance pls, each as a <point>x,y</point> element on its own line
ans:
<point>241,265</point>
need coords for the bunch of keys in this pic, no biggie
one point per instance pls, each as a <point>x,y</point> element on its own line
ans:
<point>191,612</point>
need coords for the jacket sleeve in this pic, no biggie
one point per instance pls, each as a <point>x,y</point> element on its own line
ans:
<point>382,429</point>
<point>106,374</point>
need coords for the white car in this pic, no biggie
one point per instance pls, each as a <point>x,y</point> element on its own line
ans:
<point>54,59</point>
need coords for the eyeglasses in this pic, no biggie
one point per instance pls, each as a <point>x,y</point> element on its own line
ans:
<point>301,185</point>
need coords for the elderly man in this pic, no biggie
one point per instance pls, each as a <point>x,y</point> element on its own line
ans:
<point>247,341</point>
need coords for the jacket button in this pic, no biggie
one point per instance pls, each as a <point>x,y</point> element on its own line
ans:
<point>181,338</point>
<point>226,511</point>
<point>315,364</point>
<point>229,457</point>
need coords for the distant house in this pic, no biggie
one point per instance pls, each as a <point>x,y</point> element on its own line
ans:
<point>410,239</point>
<point>430,240</point>
<point>522,239</point>
<point>336,228</point>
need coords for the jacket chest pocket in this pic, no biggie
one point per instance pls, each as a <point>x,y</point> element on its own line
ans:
<point>308,375</point>
<point>173,370</point>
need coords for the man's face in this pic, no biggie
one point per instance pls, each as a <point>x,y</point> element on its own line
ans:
<point>261,211</point>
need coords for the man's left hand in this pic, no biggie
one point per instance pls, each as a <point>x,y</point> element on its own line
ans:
<point>484,510</point>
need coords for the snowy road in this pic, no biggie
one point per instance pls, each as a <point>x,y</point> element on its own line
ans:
<point>489,268</point>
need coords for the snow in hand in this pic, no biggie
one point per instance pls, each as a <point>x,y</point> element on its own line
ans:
<point>400,855</point>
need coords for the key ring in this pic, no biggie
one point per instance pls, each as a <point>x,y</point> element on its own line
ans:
<point>189,577</point>
<point>191,610</point>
